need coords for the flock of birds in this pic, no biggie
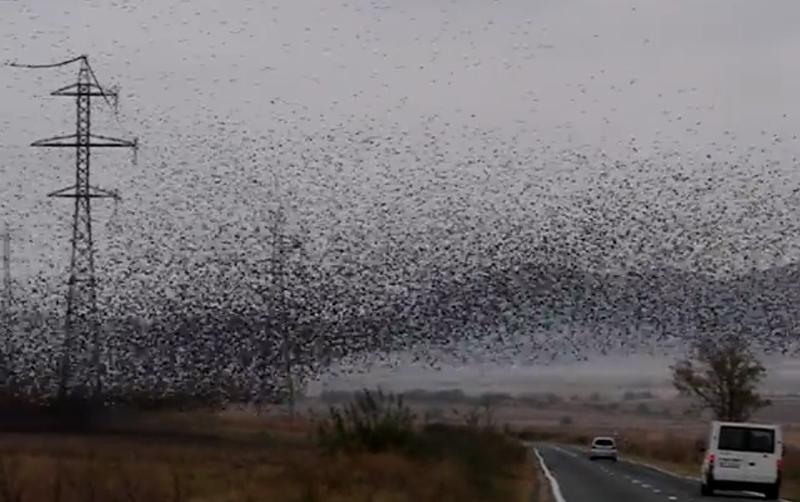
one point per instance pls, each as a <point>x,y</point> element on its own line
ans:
<point>337,236</point>
<point>360,247</point>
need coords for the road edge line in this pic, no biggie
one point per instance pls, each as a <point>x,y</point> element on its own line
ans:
<point>554,487</point>
<point>676,475</point>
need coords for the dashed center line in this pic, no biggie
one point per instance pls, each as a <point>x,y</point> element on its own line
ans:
<point>635,481</point>
<point>565,452</point>
<point>630,478</point>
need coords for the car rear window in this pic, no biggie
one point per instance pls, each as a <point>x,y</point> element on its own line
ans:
<point>746,439</point>
<point>603,442</point>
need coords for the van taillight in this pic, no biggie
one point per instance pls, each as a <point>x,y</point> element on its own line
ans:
<point>780,464</point>
<point>711,458</point>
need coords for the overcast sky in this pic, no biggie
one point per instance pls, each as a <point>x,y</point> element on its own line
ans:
<point>728,63</point>
<point>684,73</point>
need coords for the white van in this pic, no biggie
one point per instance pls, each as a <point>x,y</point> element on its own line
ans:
<point>743,457</point>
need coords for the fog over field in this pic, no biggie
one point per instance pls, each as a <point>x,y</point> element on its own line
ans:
<point>609,375</point>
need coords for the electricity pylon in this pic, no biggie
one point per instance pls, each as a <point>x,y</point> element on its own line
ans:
<point>7,300</point>
<point>7,272</point>
<point>82,323</point>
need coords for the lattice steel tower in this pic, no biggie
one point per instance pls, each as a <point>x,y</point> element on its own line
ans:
<point>6,273</point>
<point>7,300</point>
<point>78,376</point>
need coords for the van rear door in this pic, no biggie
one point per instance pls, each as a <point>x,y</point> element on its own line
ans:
<point>747,454</point>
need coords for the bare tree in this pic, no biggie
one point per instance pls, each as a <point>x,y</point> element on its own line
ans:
<point>722,375</point>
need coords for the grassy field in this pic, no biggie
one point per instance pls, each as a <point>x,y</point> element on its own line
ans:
<point>205,457</point>
<point>670,450</point>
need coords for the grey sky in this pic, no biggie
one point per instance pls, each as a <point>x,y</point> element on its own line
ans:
<point>682,73</point>
<point>191,59</point>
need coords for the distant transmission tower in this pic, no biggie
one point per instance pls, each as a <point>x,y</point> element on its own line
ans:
<point>82,323</point>
<point>282,243</point>
<point>279,284</point>
<point>7,272</point>
<point>7,301</point>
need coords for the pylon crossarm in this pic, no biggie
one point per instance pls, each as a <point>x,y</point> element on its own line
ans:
<point>71,192</point>
<point>103,193</point>
<point>71,141</point>
<point>84,90</point>
<point>122,143</point>
<point>56,141</point>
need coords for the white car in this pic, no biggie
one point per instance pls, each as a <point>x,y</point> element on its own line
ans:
<point>603,447</point>
<point>743,457</point>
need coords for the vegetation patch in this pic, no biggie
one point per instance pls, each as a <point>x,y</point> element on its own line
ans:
<point>377,453</point>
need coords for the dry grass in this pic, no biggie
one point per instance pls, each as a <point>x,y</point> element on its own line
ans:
<point>234,459</point>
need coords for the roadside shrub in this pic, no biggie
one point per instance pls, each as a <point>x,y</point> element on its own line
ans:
<point>566,420</point>
<point>372,421</point>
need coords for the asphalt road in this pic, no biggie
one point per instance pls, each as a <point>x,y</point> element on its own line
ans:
<point>582,480</point>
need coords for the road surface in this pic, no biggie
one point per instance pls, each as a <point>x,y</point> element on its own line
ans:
<point>582,480</point>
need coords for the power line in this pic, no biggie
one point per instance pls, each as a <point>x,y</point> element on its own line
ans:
<point>48,65</point>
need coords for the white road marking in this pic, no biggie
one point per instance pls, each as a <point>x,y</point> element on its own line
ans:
<point>662,471</point>
<point>553,482</point>
<point>673,497</point>
<point>678,476</point>
<point>757,494</point>
<point>566,452</point>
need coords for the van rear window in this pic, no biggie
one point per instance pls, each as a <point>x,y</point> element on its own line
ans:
<point>603,442</point>
<point>746,439</point>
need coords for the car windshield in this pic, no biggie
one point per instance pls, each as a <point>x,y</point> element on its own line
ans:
<point>747,439</point>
